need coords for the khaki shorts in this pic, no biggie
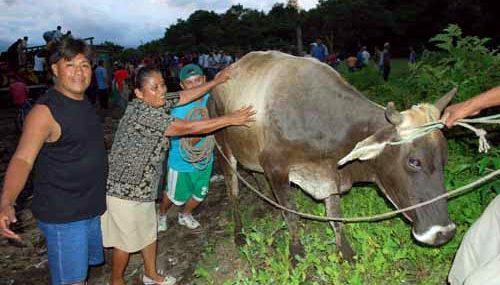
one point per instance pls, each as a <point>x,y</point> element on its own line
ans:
<point>128,225</point>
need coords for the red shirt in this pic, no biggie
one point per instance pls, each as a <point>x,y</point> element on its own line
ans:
<point>120,76</point>
<point>19,93</point>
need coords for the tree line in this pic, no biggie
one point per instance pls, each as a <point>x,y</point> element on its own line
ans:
<point>344,25</point>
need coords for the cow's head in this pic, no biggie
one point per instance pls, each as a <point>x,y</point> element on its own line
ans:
<point>412,172</point>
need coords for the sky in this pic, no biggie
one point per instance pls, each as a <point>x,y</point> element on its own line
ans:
<point>125,22</point>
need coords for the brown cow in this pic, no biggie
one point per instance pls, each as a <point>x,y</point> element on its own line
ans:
<point>308,119</point>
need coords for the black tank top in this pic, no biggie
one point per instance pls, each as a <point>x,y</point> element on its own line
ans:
<point>70,174</point>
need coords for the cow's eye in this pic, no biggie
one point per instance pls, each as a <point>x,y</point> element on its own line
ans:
<point>415,163</point>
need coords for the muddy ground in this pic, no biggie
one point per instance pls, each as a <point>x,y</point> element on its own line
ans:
<point>179,249</point>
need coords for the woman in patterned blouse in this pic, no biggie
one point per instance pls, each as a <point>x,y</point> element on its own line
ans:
<point>135,168</point>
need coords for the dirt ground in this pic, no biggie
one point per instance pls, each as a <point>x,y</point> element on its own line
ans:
<point>179,249</point>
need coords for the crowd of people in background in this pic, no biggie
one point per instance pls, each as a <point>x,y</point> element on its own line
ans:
<point>355,61</point>
<point>107,85</point>
<point>112,80</point>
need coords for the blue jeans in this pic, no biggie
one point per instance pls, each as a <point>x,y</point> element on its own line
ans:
<point>72,247</point>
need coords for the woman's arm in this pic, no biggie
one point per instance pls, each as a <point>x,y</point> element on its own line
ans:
<point>241,117</point>
<point>193,94</point>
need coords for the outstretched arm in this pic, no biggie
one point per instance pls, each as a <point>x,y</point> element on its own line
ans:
<point>241,117</point>
<point>472,106</point>
<point>193,94</point>
<point>37,129</point>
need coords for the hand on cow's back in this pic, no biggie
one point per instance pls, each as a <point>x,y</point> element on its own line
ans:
<point>224,75</point>
<point>242,117</point>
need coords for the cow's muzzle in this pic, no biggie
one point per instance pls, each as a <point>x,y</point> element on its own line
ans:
<point>435,235</point>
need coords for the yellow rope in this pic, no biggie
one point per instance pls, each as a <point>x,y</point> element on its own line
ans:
<point>198,154</point>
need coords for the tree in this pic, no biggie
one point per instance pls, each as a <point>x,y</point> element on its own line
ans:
<point>296,12</point>
<point>112,46</point>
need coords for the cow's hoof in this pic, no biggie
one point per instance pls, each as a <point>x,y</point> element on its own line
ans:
<point>239,239</point>
<point>297,251</point>
<point>346,252</point>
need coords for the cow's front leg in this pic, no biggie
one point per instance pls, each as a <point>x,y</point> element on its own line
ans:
<point>332,205</point>
<point>277,175</point>
<point>283,196</point>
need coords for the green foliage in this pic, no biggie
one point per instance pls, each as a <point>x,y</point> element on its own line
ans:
<point>459,61</point>
<point>462,61</point>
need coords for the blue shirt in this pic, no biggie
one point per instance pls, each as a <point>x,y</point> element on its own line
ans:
<point>102,78</point>
<point>175,153</point>
<point>319,51</point>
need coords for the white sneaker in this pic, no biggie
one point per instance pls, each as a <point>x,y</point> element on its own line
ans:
<point>162,223</point>
<point>188,221</point>
<point>169,280</point>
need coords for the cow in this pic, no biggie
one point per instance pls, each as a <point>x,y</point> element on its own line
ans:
<point>309,118</point>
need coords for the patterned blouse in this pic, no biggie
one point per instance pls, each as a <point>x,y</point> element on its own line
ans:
<point>138,152</point>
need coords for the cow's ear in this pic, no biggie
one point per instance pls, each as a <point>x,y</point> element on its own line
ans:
<point>370,147</point>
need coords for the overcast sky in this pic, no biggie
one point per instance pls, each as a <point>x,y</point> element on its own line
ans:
<point>126,22</point>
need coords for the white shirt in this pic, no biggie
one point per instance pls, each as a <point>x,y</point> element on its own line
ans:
<point>227,60</point>
<point>203,60</point>
<point>39,64</point>
<point>366,56</point>
<point>218,58</point>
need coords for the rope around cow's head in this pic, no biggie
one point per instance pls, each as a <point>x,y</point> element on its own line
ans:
<point>410,134</point>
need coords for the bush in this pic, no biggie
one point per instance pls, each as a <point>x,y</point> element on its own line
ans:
<point>464,62</point>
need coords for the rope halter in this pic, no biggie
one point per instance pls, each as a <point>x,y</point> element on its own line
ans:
<point>370,148</point>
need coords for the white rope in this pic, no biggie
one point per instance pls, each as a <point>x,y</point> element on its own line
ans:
<point>420,131</point>
<point>484,146</point>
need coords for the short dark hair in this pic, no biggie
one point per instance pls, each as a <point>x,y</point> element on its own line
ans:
<point>69,48</point>
<point>59,27</point>
<point>143,74</point>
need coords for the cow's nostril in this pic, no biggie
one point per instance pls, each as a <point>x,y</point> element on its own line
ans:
<point>444,236</point>
<point>436,235</point>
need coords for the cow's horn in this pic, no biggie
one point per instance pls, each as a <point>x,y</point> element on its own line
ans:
<point>392,115</point>
<point>445,100</point>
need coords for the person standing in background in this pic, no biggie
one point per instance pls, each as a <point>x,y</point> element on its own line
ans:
<point>101,75</point>
<point>412,59</point>
<point>386,60</point>
<point>319,50</point>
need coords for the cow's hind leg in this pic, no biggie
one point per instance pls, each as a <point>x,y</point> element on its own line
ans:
<point>277,173</point>
<point>332,205</point>
<point>229,163</point>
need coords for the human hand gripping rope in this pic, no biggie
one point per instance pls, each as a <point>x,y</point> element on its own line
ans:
<point>416,132</point>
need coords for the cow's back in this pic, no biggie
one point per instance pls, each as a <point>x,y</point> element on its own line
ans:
<point>295,99</point>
